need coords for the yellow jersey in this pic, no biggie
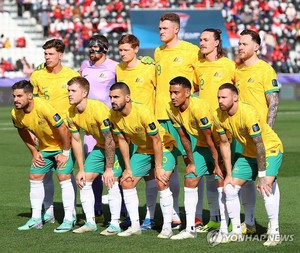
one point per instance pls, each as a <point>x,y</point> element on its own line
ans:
<point>42,121</point>
<point>246,124</point>
<point>94,120</point>
<point>170,63</point>
<point>138,126</point>
<point>254,83</point>
<point>196,117</point>
<point>141,81</point>
<point>211,75</point>
<point>53,87</point>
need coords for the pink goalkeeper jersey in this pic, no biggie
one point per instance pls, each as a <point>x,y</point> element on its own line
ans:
<point>101,78</point>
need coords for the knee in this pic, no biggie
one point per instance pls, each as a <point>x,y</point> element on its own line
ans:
<point>63,177</point>
<point>231,192</point>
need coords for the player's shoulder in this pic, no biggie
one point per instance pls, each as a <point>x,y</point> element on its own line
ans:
<point>188,45</point>
<point>70,71</point>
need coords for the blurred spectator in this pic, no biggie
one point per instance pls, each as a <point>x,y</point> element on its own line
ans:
<point>44,21</point>
<point>7,43</point>
<point>21,41</point>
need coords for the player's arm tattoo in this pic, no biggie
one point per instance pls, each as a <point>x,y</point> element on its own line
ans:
<point>186,143</point>
<point>110,148</point>
<point>260,153</point>
<point>273,101</point>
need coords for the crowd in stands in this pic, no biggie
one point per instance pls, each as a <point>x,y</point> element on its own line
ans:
<point>74,21</point>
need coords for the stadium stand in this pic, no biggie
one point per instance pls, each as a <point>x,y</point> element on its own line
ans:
<point>74,21</point>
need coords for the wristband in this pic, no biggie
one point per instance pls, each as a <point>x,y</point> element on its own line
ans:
<point>66,152</point>
<point>262,173</point>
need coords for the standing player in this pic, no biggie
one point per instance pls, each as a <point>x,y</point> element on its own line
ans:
<point>53,153</point>
<point>174,58</point>
<point>212,71</point>
<point>93,117</point>
<point>262,156</point>
<point>141,80</point>
<point>134,122</point>
<point>257,84</point>
<point>192,116</point>
<point>100,71</point>
<point>50,84</point>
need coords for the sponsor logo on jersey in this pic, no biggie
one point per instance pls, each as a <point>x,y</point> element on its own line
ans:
<point>274,83</point>
<point>255,127</point>
<point>106,122</point>
<point>204,120</point>
<point>251,80</point>
<point>64,85</point>
<point>56,117</point>
<point>102,75</point>
<point>217,74</point>
<point>152,126</point>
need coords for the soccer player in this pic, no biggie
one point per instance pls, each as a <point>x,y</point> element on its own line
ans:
<point>173,58</point>
<point>212,70</point>
<point>53,152</point>
<point>257,83</point>
<point>141,81</point>
<point>262,156</point>
<point>100,71</point>
<point>155,150</point>
<point>93,117</point>
<point>50,84</point>
<point>192,116</point>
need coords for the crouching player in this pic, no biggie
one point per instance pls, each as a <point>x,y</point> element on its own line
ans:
<point>93,117</point>
<point>53,153</point>
<point>192,116</point>
<point>262,156</point>
<point>155,147</point>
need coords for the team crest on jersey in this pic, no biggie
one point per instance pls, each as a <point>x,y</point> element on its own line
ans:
<point>56,117</point>
<point>106,122</point>
<point>204,120</point>
<point>251,80</point>
<point>177,59</point>
<point>139,80</point>
<point>255,127</point>
<point>217,74</point>
<point>152,126</point>
<point>102,75</point>
<point>274,83</point>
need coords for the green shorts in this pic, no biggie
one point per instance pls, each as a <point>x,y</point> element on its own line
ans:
<point>49,158</point>
<point>167,124</point>
<point>95,162</point>
<point>246,168</point>
<point>236,150</point>
<point>141,164</point>
<point>204,162</point>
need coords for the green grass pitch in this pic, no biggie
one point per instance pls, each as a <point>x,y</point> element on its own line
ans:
<point>15,205</point>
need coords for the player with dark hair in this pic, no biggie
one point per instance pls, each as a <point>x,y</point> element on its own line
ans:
<point>192,116</point>
<point>50,84</point>
<point>100,71</point>
<point>211,71</point>
<point>134,122</point>
<point>37,116</point>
